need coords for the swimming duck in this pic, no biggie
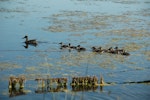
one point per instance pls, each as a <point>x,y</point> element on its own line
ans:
<point>94,49</point>
<point>71,47</point>
<point>79,48</point>
<point>111,50</point>
<point>125,53</point>
<point>63,45</point>
<point>99,50</point>
<point>120,50</point>
<point>32,42</point>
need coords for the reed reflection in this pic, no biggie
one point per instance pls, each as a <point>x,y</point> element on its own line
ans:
<point>51,85</point>
<point>16,92</point>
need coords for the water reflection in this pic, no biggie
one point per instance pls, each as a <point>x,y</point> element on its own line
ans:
<point>83,88</point>
<point>51,89</point>
<point>27,45</point>
<point>16,92</point>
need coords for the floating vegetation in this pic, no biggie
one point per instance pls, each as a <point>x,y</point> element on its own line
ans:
<point>126,1</point>
<point>4,0</point>
<point>147,54</point>
<point>115,1</point>
<point>7,66</point>
<point>18,10</point>
<point>73,21</point>
<point>130,32</point>
<point>31,69</point>
<point>133,46</point>
<point>46,64</point>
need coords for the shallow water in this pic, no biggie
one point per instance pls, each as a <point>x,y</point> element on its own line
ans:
<point>106,23</point>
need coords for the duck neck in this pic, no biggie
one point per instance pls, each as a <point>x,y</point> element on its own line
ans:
<point>26,39</point>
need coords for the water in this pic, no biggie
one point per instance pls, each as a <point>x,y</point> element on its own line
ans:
<point>106,23</point>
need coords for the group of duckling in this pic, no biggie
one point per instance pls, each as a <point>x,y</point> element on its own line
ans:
<point>79,48</point>
<point>71,47</point>
<point>111,50</point>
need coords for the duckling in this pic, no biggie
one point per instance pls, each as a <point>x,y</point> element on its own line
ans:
<point>63,46</point>
<point>105,50</point>
<point>94,49</point>
<point>71,47</point>
<point>32,42</point>
<point>125,53</point>
<point>111,50</point>
<point>100,50</point>
<point>119,50</point>
<point>79,48</point>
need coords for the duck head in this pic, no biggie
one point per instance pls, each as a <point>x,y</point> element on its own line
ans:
<point>116,48</point>
<point>100,48</point>
<point>25,37</point>
<point>93,48</point>
<point>78,46</point>
<point>60,43</point>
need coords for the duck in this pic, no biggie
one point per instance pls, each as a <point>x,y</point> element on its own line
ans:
<point>79,48</point>
<point>125,53</point>
<point>71,47</point>
<point>94,49</point>
<point>63,45</point>
<point>31,42</point>
<point>99,50</point>
<point>119,50</point>
<point>111,50</point>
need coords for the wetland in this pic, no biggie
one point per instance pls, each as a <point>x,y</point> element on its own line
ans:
<point>105,23</point>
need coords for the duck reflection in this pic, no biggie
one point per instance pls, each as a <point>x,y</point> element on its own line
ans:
<point>16,92</point>
<point>28,42</point>
<point>27,45</point>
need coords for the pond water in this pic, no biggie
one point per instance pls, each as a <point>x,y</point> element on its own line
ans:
<point>105,23</point>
